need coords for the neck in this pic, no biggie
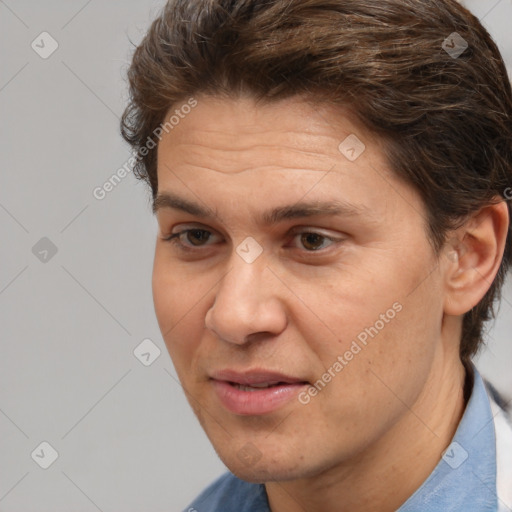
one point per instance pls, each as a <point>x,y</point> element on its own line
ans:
<point>387,473</point>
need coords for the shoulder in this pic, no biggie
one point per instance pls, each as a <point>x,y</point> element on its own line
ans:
<point>498,399</point>
<point>503,431</point>
<point>229,494</point>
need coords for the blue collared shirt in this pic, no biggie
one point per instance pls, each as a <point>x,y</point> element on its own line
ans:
<point>463,480</point>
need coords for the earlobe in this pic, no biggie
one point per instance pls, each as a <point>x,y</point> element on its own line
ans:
<point>473,256</point>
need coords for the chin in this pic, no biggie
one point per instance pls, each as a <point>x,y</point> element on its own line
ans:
<point>260,475</point>
<point>264,470</point>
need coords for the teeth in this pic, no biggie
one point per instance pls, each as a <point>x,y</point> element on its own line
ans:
<point>254,387</point>
<point>247,388</point>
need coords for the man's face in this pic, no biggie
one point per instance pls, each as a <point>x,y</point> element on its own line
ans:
<point>351,301</point>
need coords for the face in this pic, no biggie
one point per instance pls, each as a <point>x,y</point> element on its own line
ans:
<point>300,297</point>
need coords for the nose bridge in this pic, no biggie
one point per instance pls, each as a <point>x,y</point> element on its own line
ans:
<point>243,274</point>
<point>245,302</point>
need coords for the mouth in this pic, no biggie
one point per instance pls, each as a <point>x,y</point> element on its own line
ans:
<point>255,392</point>
<point>256,387</point>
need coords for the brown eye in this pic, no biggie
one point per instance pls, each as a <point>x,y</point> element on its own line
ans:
<point>312,241</point>
<point>187,239</point>
<point>197,236</point>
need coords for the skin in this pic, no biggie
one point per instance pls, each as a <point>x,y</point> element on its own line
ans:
<point>372,436</point>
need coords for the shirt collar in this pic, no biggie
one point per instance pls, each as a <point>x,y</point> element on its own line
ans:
<point>465,477</point>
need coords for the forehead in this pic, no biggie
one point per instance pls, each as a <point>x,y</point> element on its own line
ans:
<point>263,152</point>
<point>293,131</point>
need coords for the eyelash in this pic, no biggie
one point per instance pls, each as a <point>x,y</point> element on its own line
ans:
<point>174,239</point>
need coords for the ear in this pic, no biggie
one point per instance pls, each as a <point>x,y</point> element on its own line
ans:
<point>473,256</point>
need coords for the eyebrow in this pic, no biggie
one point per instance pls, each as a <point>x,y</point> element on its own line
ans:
<point>273,216</point>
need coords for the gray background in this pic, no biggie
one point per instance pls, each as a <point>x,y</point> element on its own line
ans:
<point>126,438</point>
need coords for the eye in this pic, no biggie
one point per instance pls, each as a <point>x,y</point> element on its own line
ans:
<point>195,236</point>
<point>188,239</point>
<point>313,241</point>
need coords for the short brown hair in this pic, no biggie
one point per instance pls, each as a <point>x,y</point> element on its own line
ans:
<point>446,120</point>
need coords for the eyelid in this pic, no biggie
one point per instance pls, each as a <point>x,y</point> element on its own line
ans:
<point>309,229</point>
<point>294,230</point>
<point>185,230</point>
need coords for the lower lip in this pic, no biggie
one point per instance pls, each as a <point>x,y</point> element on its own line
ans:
<point>261,401</point>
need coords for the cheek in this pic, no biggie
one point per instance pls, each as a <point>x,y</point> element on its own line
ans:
<point>177,305</point>
<point>392,368</point>
<point>377,322</point>
<point>164,295</point>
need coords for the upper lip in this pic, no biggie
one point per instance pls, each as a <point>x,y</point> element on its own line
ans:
<point>254,376</point>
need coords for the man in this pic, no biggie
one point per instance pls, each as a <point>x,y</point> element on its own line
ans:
<point>330,184</point>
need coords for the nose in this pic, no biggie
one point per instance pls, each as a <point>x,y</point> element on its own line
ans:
<point>247,302</point>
